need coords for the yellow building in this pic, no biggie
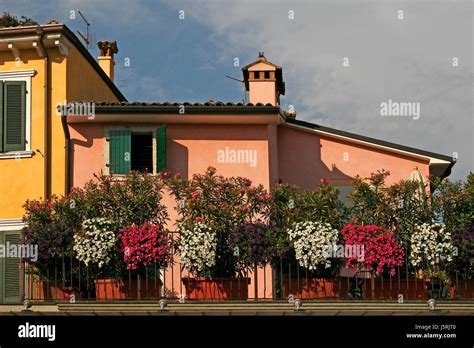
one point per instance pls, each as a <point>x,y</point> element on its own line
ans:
<point>41,67</point>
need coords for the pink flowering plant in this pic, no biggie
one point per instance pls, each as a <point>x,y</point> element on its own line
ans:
<point>381,249</point>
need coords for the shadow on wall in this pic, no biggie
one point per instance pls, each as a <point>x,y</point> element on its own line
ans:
<point>80,150</point>
<point>178,159</point>
<point>299,161</point>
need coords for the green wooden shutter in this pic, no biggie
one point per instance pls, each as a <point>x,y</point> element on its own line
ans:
<point>161,149</point>
<point>11,288</point>
<point>120,145</point>
<point>14,115</point>
<point>1,116</point>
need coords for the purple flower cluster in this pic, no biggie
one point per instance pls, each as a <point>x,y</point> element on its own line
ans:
<point>52,239</point>
<point>257,244</point>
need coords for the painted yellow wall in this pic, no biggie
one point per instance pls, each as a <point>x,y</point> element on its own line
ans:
<point>72,78</point>
<point>23,178</point>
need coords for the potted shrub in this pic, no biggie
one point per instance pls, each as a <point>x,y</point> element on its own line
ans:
<point>146,250</point>
<point>309,241</point>
<point>94,245</point>
<point>454,206</point>
<point>50,226</point>
<point>127,201</point>
<point>210,206</point>
<point>303,215</point>
<point>431,250</point>
<point>198,255</point>
<point>256,244</point>
<point>381,253</point>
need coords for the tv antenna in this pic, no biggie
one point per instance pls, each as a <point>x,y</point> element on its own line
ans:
<point>85,36</point>
<point>243,86</point>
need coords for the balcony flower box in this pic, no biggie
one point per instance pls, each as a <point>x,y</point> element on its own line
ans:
<point>110,290</point>
<point>216,289</point>
<point>311,288</point>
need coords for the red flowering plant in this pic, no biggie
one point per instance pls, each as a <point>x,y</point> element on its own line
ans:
<point>145,245</point>
<point>381,250</point>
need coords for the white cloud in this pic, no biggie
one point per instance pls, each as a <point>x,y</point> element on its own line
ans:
<point>403,60</point>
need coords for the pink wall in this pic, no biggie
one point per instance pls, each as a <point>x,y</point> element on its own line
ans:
<point>294,156</point>
<point>305,158</point>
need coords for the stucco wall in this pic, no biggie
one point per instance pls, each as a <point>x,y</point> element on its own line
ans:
<point>305,158</point>
<point>72,78</point>
<point>22,179</point>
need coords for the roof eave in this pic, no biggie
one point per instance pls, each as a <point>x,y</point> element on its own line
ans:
<point>14,32</point>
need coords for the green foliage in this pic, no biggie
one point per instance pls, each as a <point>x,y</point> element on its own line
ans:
<point>126,201</point>
<point>289,206</point>
<point>131,200</point>
<point>50,225</point>
<point>398,207</point>
<point>221,203</point>
<point>322,205</point>
<point>370,201</point>
<point>282,207</point>
<point>8,20</point>
<point>218,201</point>
<point>453,203</point>
<point>408,206</point>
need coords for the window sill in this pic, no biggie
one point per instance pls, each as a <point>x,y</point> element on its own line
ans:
<point>16,154</point>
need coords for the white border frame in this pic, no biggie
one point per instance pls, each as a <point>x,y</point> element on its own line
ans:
<point>11,225</point>
<point>21,75</point>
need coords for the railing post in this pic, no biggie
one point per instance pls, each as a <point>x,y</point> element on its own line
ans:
<point>256,281</point>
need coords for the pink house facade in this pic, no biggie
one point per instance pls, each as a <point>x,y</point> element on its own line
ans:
<point>259,141</point>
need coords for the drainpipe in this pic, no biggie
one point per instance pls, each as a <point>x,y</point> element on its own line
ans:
<point>47,112</point>
<point>67,137</point>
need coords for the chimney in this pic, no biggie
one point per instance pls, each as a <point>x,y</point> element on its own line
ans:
<point>264,81</point>
<point>106,58</point>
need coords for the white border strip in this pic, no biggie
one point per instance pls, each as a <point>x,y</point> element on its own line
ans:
<point>11,224</point>
<point>17,73</point>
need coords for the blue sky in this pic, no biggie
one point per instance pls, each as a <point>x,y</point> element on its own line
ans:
<point>406,60</point>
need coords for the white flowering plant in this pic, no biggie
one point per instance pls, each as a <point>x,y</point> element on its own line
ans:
<point>431,245</point>
<point>197,247</point>
<point>310,241</point>
<point>94,244</point>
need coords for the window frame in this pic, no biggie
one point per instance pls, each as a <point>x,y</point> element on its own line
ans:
<point>21,75</point>
<point>153,152</point>
<point>133,129</point>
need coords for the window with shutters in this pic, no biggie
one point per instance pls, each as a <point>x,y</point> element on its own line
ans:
<point>139,148</point>
<point>9,270</point>
<point>15,113</point>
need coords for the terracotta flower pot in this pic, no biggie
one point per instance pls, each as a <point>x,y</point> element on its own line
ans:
<point>413,289</point>
<point>109,289</point>
<point>216,289</point>
<point>55,291</point>
<point>141,289</point>
<point>312,288</point>
<point>463,290</point>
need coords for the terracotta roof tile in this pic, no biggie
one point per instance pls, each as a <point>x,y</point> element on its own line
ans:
<point>174,104</point>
